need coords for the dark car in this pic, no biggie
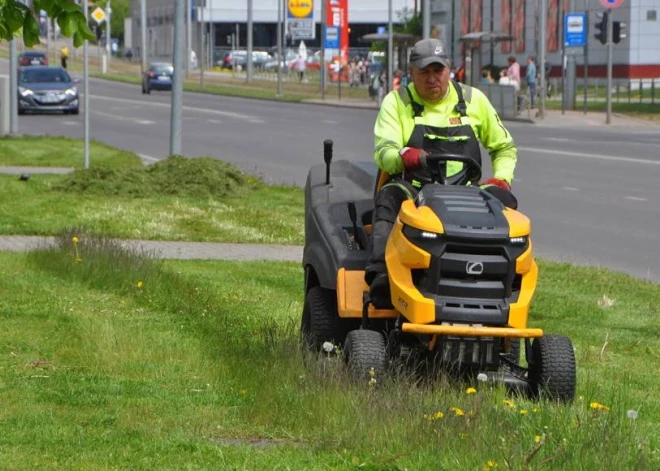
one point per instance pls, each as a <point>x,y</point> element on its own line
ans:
<point>32,58</point>
<point>46,88</point>
<point>158,77</point>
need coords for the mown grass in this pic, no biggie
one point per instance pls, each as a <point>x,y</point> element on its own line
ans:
<point>55,151</point>
<point>119,360</point>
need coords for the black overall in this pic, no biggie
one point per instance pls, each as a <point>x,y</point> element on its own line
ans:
<point>458,139</point>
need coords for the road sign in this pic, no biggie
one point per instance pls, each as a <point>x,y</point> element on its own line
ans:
<point>611,3</point>
<point>575,29</point>
<point>98,15</point>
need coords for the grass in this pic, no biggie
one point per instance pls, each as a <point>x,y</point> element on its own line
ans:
<point>123,361</point>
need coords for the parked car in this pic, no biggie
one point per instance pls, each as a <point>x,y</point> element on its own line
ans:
<point>46,88</point>
<point>288,56</point>
<point>238,59</point>
<point>32,58</point>
<point>158,77</point>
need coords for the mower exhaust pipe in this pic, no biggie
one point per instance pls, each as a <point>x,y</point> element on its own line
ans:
<point>327,157</point>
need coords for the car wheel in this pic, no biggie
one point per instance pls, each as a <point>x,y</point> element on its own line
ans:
<point>75,111</point>
<point>21,111</point>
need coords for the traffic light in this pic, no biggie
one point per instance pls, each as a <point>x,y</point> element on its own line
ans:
<point>601,27</point>
<point>618,31</point>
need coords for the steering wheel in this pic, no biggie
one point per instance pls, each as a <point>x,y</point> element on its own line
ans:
<point>436,165</point>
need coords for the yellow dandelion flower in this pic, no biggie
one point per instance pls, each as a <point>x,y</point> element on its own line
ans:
<point>509,403</point>
<point>523,411</point>
<point>140,284</point>
<point>490,464</point>
<point>470,391</point>
<point>598,406</point>
<point>537,438</point>
<point>438,415</point>
<point>536,410</point>
<point>75,240</point>
<point>457,411</point>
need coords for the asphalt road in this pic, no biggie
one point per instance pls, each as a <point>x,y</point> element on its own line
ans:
<point>591,190</point>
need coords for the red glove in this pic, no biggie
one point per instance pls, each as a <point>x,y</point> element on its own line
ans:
<point>495,182</point>
<point>411,157</point>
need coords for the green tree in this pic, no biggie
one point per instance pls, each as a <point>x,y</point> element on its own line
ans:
<point>18,19</point>
<point>120,10</point>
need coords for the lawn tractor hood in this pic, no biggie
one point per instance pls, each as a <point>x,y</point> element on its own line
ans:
<point>458,255</point>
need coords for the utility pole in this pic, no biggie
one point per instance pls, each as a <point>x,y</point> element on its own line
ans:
<point>390,45</point>
<point>143,34</point>
<point>188,35</point>
<point>108,37</point>
<point>279,49</point>
<point>177,85</point>
<point>426,16</point>
<point>610,45</point>
<point>542,44</point>
<point>249,64</point>
<point>200,56</point>
<point>13,88</point>
<point>324,25</point>
<point>86,89</point>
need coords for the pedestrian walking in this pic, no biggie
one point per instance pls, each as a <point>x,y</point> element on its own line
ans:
<point>530,78</point>
<point>64,56</point>
<point>301,65</point>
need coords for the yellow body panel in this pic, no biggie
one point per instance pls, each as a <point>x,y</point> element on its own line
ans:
<point>519,224</point>
<point>401,256</point>
<point>527,267</point>
<point>470,331</point>
<point>350,287</point>
<point>422,218</point>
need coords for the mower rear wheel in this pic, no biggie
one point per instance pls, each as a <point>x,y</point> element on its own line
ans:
<point>365,350</point>
<point>552,368</point>
<point>320,320</point>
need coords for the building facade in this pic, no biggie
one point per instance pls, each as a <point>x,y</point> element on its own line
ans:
<point>636,56</point>
<point>224,25</point>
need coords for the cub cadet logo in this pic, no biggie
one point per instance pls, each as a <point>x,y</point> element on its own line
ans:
<point>474,268</point>
<point>404,305</point>
<point>300,8</point>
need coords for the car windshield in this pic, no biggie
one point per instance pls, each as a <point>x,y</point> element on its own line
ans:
<point>45,76</point>
<point>162,69</point>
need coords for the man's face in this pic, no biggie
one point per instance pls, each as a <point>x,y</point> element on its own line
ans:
<point>431,82</point>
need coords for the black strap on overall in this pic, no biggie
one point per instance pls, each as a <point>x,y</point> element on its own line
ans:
<point>418,108</point>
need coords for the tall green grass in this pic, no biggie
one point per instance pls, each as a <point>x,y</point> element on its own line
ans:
<point>111,359</point>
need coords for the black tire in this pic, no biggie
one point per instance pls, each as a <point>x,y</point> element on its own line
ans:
<point>552,368</point>
<point>364,350</point>
<point>320,320</point>
<point>75,111</point>
<point>21,112</point>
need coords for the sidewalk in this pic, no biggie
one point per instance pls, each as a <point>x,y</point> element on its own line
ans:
<point>177,250</point>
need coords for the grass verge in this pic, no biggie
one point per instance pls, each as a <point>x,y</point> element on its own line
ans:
<point>111,359</point>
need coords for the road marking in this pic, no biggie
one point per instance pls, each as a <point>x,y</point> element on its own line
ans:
<point>635,198</point>
<point>557,139</point>
<point>569,188</point>
<point>148,157</point>
<point>589,156</point>
<point>330,121</point>
<point>71,123</point>
<point>144,121</point>
<point>228,114</point>
<point>214,121</point>
<point>256,120</point>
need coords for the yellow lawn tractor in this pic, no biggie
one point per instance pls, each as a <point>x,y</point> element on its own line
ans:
<point>461,273</point>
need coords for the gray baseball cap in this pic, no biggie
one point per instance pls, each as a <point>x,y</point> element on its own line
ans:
<point>428,51</point>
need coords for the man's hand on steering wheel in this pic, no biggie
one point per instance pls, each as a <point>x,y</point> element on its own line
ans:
<point>495,182</point>
<point>412,157</point>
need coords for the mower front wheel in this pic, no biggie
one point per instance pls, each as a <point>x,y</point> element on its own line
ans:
<point>320,320</point>
<point>552,368</point>
<point>365,354</point>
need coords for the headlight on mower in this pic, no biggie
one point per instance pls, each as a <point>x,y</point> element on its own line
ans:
<point>412,233</point>
<point>518,240</point>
